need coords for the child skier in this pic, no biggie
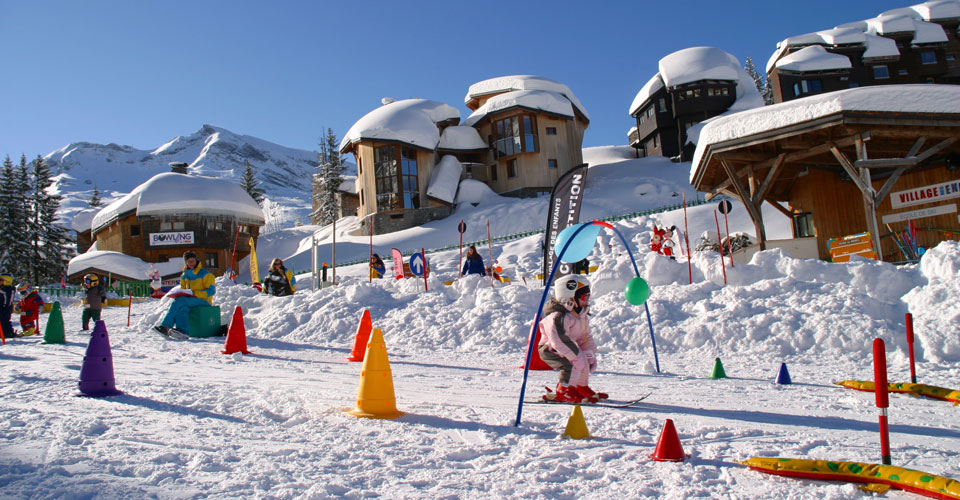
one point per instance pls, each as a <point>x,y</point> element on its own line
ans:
<point>29,307</point>
<point>566,344</point>
<point>6,303</point>
<point>96,295</point>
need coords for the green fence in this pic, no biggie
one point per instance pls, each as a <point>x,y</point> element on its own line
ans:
<point>517,236</point>
<point>121,288</point>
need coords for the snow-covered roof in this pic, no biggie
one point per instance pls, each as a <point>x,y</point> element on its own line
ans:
<point>445,178</point>
<point>842,36</point>
<point>937,9</point>
<point>120,264</point>
<point>175,194</point>
<point>523,82</point>
<point>651,87</point>
<point>918,98</point>
<point>894,22</point>
<point>541,100</point>
<point>698,63</point>
<point>82,219</point>
<point>410,121</point>
<point>928,33</point>
<point>880,47</point>
<point>461,138</point>
<point>813,58</point>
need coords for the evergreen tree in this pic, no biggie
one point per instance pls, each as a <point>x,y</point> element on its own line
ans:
<point>11,212</point>
<point>249,183</point>
<point>95,200</point>
<point>762,83</point>
<point>327,181</point>
<point>50,245</point>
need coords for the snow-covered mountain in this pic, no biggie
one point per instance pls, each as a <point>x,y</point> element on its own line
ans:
<point>284,173</point>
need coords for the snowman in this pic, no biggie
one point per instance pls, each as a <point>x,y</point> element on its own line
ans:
<point>155,282</point>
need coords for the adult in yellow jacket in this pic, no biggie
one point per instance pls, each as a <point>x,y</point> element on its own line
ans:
<point>198,287</point>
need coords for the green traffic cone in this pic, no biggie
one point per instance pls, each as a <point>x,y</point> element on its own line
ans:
<point>718,370</point>
<point>55,333</point>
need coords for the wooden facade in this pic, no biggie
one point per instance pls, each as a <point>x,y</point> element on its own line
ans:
<point>840,171</point>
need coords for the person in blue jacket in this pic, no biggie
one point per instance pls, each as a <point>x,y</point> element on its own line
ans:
<point>6,304</point>
<point>473,264</point>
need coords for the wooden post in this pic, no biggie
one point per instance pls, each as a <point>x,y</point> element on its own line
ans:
<point>869,198</point>
<point>744,197</point>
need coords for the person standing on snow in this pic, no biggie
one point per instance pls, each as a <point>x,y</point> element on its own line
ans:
<point>473,264</point>
<point>96,295</point>
<point>6,303</point>
<point>565,343</point>
<point>377,267</point>
<point>29,306</point>
<point>280,281</point>
<point>198,286</point>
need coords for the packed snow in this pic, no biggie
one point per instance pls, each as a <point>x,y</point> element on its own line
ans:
<point>121,265</point>
<point>193,423</point>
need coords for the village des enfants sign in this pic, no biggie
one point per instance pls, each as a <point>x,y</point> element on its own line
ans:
<point>925,194</point>
<point>176,238</point>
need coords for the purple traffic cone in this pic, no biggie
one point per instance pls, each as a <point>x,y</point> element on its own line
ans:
<point>783,376</point>
<point>96,374</point>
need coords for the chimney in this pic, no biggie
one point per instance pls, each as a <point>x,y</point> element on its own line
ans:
<point>178,167</point>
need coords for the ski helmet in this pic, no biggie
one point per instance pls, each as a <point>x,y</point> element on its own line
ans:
<point>6,279</point>
<point>570,286</point>
<point>91,280</point>
<point>23,287</point>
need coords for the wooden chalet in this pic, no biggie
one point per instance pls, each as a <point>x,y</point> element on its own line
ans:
<point>846,171</point>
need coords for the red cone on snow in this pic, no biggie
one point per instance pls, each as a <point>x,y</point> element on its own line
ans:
<point>236,335</point>
<point>362,337</point>
<point>536,363</point>
<point>669,448</point>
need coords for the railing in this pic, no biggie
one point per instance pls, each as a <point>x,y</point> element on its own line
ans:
<point>121,288</point>
<point>517,236</point>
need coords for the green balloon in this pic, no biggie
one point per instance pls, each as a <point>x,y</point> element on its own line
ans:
<point>637,291</point>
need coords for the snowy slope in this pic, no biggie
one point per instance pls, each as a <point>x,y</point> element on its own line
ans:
<point>284,173</point>
<point>194,423</point>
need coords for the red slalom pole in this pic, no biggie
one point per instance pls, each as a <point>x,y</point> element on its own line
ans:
<point>720,245</point>
<point>883,401</point>
<point>686,237</point>
<point>423,253</point>
<point>370,272</point>
<point>460,262</point>
<point>129,307</point>
<point>913,371</point>
<point>729,248</point>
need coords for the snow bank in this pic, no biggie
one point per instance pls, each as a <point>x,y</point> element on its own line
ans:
<point>474,191</point>
<point>445,178</point>
<point>935,306</point>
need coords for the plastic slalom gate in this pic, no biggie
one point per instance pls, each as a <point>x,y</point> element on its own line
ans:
<point>581,249</point>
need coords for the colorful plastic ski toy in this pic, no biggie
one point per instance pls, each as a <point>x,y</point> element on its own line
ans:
<point>605,403</point>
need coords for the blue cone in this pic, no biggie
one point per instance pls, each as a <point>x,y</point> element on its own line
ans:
<point>783,377</point>
<point>96,374</point>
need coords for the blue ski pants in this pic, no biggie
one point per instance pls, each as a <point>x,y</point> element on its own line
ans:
<point>179,313</point>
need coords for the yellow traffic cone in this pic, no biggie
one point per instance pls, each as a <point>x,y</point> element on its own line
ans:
<point>375,398</point>
<point>576,425</point>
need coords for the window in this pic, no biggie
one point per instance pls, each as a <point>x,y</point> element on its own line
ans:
<point>361,197</point>
<point>359,165</point>
<point>928,57</point>
<point>512,168</point>
<point>807,87</point>
<point>166,226</point>
<point>178,226</point>
<point>551,130</point>
<point>719,91</point>
<point>880,72</point>
<point>163,258</point>
<point>950,57</point>
<point>218,226</point>
<point>656,141</point>
<point>515,135</point>
<point>902,72</point>
<point>408,178</point>
<point>493,172</point>
<point>803,225</point>
<point>649,112</point>
<point>796,89</point>
<point>210,261</point>
<point>135,231</point>
<point>551,163</point>
<point>854,85</point>
<point>387,183</point>
<point>662,103</point>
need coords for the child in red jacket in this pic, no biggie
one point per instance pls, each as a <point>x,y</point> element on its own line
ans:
<point>29,307</point>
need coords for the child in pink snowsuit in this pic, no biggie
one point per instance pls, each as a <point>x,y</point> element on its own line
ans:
<point>565,343</point>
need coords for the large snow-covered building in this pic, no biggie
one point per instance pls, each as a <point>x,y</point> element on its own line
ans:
<point>173,212</point>
<point>692,85</point>
<point>916,44</point>
<point>524,132</point>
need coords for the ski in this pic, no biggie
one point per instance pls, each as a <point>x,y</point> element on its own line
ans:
<point>171,333</point>
<point>603,403</point>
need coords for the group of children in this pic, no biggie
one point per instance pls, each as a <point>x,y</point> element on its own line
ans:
<point>31,303</point>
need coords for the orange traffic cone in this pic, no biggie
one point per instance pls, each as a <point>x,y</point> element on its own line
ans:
<point>362,337</point>
<point>536,363</point>
<point>375,398</point>
<point>236,335</point>
<point>668,448</point>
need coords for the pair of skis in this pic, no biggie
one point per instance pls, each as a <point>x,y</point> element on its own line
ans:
<point>550,399</point>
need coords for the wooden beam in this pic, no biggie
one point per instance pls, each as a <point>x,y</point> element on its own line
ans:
<point>944,144</point>
<point>768,181</point>
<point>916,146</point>
<point>776,204</point>
<point>848,167</point>
<point>911,159</point>
<point>887,186</point>
<point>869,201</point>
<point>751,208</point>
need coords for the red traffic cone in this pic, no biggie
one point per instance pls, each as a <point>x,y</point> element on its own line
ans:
<point>362,337</point>
<point>535,362</point>
<point>236,335</point>
<point>669,448</point>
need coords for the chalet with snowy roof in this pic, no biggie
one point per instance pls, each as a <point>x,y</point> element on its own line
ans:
<point>174,212</point>
<point>524,132</point>
<point>873,159</point>
<point>693,85</point>
<point>916,44</point>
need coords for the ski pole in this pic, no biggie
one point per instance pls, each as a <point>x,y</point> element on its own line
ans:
<point>720,244</point>
<point>913,371</point>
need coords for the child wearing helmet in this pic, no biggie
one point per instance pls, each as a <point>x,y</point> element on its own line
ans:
<point>96,295</point>
<point>6,304</point>
<point>29,306</point>
<point>565,343</point>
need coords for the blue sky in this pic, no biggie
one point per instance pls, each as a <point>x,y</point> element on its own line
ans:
<point>140,73</point>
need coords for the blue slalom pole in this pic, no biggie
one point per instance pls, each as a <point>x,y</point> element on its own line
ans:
<point>536,321</point>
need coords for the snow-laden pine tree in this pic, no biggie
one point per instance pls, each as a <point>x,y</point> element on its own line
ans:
<point>13,246</point>
<point>95,200</point>
<point>762,83</point>
<point>330,168</point>
<point>249,184</point>
<point>50,245</point>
